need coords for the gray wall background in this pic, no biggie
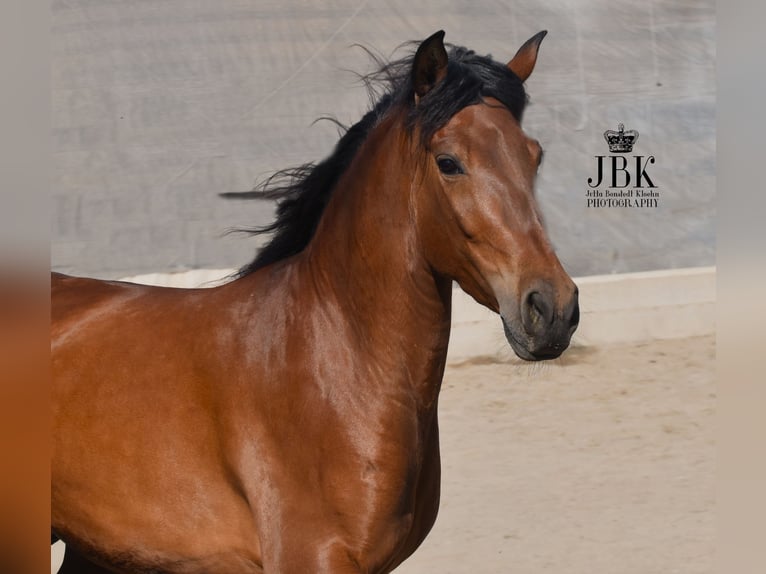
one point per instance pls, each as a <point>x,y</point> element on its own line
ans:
<point>159,105</point>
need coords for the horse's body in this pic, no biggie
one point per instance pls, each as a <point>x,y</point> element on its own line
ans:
<point>287,421</point>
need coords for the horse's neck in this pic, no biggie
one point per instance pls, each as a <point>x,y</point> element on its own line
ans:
<point>366,259</point>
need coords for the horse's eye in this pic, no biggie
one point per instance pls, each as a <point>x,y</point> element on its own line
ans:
<point>448,165</point>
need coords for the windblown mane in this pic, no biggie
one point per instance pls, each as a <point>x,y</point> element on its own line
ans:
<point>303,192</point>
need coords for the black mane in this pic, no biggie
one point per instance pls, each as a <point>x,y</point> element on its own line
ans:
<point>303,192</point>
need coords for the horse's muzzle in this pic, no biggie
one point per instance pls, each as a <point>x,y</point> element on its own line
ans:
<point>544,329</point>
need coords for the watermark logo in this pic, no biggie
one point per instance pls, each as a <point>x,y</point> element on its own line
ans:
<point>622,181</point>
<point>621,141</point>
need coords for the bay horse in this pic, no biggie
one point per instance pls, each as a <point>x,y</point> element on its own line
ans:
<point>286,421</point>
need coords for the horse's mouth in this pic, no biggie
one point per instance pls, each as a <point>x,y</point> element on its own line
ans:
<point>525,348</point>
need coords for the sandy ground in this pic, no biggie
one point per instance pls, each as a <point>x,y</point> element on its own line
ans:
<point>601,462</point>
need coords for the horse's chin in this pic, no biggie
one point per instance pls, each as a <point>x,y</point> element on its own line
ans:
<point>523,346</point>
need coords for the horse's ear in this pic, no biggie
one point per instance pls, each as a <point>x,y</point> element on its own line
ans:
<point>523,62</point>
<point>430,65</point>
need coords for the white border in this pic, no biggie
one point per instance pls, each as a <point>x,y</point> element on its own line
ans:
<point>624,308</point>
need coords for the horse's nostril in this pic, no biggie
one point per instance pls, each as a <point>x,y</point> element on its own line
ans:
<point>572,311</point>
<point>540,306</point>
<point>574,320</point>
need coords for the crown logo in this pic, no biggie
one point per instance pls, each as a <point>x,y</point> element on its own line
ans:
<point>621,141</point>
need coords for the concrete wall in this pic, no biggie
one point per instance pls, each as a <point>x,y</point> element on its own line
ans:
<point>157,106</point>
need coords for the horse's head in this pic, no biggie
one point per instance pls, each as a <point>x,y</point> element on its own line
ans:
<point>476,210</point>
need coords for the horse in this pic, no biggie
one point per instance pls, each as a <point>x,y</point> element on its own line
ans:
<point>286,420</point>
